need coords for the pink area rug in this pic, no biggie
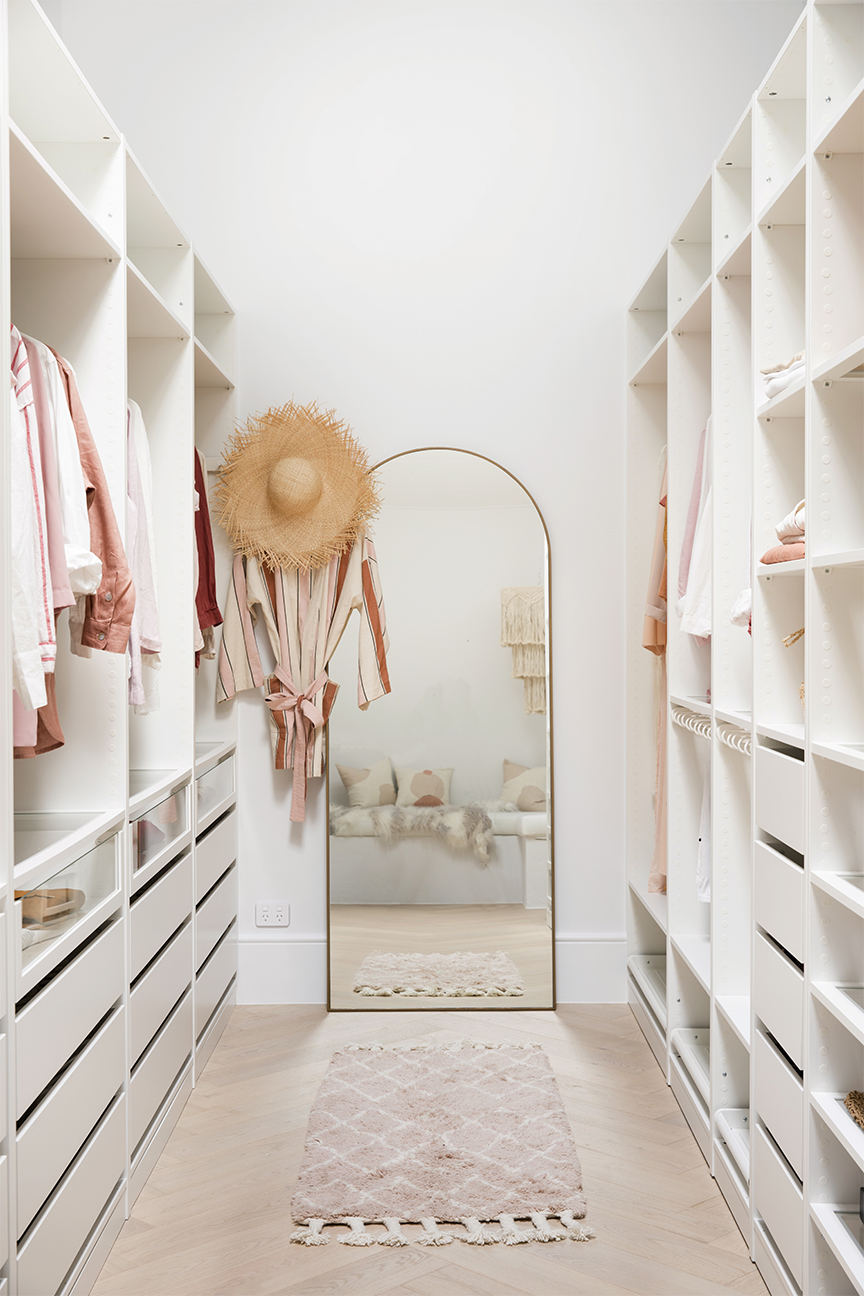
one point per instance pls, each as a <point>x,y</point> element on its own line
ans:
<point>432,1134</point>
<point>451,976</point>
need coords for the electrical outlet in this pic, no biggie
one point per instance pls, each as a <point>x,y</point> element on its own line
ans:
<point>273,913</point>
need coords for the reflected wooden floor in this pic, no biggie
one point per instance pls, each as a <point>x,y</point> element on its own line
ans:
<point>214,1217</point>
<point>358,930</point>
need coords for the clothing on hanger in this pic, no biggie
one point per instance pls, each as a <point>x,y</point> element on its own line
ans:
<point>305,613</point>
<point>145,642</point>
<point>207,612</point>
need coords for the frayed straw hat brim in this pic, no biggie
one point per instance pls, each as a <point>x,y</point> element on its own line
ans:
<point>320,446</point>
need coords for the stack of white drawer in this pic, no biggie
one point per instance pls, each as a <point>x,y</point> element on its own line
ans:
<point>778,989</point>
<point>71,1137</point>
<point>215,906</point>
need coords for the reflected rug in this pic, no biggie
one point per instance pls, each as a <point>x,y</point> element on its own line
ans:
<point>451,976</point>
<point>440,1133</point>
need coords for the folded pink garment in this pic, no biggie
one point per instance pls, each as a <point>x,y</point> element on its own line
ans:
<point>784,553</point>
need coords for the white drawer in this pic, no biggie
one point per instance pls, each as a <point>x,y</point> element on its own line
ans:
<point>214,792</point>
<point>159,989</point>
<point>778,996</point>
<point>213,853</point>
<point>51,1027</point>
<point>214,978</point>
<point>56,1130</point>
<point>56,1239</point>
<point>158,1068</point>
<point>780,796</point>
<point>215,917</point>
<point>779,901</point>
<point>779,1100</point>
<point>780,1203</point>
<point>159,912</point>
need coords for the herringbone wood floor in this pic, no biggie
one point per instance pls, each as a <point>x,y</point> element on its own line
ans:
<point>213,1219</point>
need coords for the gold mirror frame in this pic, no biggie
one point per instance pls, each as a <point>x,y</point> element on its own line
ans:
<point>472,1007</point>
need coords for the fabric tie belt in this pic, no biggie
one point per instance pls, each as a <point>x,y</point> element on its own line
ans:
<point>307,718</point>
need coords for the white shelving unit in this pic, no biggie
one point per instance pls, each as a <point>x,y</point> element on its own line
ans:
<point>104,1027</point>
<point>762,1031</point>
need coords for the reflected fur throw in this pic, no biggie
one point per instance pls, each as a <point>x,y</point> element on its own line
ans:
<point>458,827</point>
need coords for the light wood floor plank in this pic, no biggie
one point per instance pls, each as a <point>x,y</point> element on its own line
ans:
<point>214,1219</point>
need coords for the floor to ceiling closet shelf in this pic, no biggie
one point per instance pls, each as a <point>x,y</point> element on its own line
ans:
<point>752,1001</point>
<point>105,1023</point>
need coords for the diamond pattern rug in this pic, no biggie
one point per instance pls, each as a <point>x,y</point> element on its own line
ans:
<point>453,976</point>
<point>466,1132</point>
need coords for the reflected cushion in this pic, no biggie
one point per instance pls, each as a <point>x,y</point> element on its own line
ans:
<point>526,787</point>
<point>369,787</point>
<point>424,787</point>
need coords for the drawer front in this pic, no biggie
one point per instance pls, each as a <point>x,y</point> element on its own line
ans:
<point>779,998</point>
<point>779,1100</point>
<point>159,912</point>
<point>158,1068</point>
<point>780,796</point>
<point>50,1249</point>
<point>59,1126</point>
<point>159,989</point>
<point>213,853</point>
<point>159,829</point>
<point>780,1202</point>
<point>53,1024</point>
<point>213,980</point>
<point>779,899</point>
<point>214,791</point>
<point>215,917</point>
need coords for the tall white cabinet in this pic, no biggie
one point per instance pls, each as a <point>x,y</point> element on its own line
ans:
<point>104,1028</point>
<point>753,1003</point>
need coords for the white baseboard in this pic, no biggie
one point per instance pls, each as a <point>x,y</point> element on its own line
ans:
<point>591,968</point>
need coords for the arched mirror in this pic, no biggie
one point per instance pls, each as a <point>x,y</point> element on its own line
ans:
<point>440,841</point>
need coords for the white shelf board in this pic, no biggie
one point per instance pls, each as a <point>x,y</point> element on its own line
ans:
<point>210,299</point>
<point>46,843</point>
<point>700,1109</point>
<point>846,133</point>
<point>788,205</point>
<point>701,706</point>
<point>791,734</point>
<point>786,404</point>
<point>653,367</point>
<point>208,372</point>
<point>851,357</point>
<point>696,953</point>
<point>47,220</point>
<point>842,888</point>
<point>696,317</point>
<point>656,903</point>
<point>849,1255</point>
<point>696,225</point>
<point>148,223</point>
<point>694,1049</point>
<point>738,151</point>
<point>831,996</point>
<point>739,259</point>
<point>735,1009</point>
<point>146,312</point>
<point>843,753</point>
<point>649,973</point>
<point>733,1126</point>
<point>740,719</point>
<point>209,754</point>
<point>786,568</point>
<point>147,787</point>
<point>832,1110</point>
<point>846,558</point>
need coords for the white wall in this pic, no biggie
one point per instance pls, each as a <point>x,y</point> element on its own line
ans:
<point>430,215</point>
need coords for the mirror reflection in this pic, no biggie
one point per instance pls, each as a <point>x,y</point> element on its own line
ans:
<point>440,845</point>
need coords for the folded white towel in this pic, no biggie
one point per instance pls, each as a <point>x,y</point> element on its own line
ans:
<point>776,383</point>
<point>787,364</point>
<point>791,529</point>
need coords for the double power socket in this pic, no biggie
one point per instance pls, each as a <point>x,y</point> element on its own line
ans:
<point>273,913</point>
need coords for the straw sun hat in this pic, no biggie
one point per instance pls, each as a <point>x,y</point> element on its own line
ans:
<point>295,488</point>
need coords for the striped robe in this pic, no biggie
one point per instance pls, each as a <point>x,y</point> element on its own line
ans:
<point>305,613</point>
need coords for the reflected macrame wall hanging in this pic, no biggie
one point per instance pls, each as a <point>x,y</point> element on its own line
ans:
<point>523,630</point>
<point>295,496</point>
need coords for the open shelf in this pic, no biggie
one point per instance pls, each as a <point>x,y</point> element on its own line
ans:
<point>843,364</point>
<point>740,719</point>
<point>696,316</point>
<point>847,1250</point>
<point>47,220</point>
<point>846,888</point>
<point>849,1134</point>
<point>846,134</point>
<point>700,705</point>
<point>147,314</point>
<point>696,953</point>
<point>653,367</point>
<point>208,372</point>
<point>739,259</point>
<point>693,1048</point>
<point>849,1013</point>
<point>787,206</point>
<point>781,568</point>
<point>786,404</point>
<point>733,1127</point>
<point>656,903</point>
<point>649,973</point>
<point>736,1011</point>
<point>851,754</point>
<point>791,734</point>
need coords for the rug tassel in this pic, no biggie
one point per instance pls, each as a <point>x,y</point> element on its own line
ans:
<point>311,1235</point>
<point>543,1232</point>
<point>432,1235</point>
<point>394,1235</point>
<point>477,1235</point>
<point>510,1235</point>
<point>576,1231</point>
<point>358,1235</point>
